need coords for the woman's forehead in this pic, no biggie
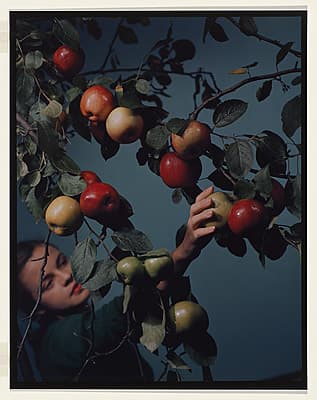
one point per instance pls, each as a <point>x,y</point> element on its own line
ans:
<point>35,262</point>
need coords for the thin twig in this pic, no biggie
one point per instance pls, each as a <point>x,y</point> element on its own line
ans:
<point>39,296</point>
<point>238,85</point>
<point>264,38</point>
<point>111,46</point>
<point>100,241</point>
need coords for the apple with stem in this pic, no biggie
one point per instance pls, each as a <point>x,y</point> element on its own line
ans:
<point>63,216</point>
<point>193,142</point>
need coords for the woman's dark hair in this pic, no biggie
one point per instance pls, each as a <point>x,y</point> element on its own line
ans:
<point>24,252</point>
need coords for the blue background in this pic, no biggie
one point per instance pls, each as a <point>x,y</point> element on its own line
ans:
<point>255,313</point>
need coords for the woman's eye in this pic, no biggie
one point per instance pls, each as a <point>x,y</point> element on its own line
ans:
<point>63,261</point>
<point>47,284</point>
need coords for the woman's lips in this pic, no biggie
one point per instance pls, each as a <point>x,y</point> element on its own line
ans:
<point>77,288</point>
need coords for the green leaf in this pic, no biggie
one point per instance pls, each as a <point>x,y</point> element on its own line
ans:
<point>218,33</point>
<point>127,35</point>
<point>283,52</point>
<point>292,116</point>
<point>65,164</point>
<point>247,25</point>
<point>228,112</point>
<point>33,178</point>
<point>239,158</point>
<point>263,182</point>
<point>264,91</point>
<point>244,189</point>
<point>79,122</point>
<point>293,192</point>
<point>71,185</point>
<point>53,109</point>
<point>130,100</point>
<point>25,85</point>
<point>48,140</point>
<point>49,170</point>
<point>103,274</point>
<point>109,149</point>
<point>65,32</point>
<point>102,80</point>
<point>34,59</point>
<point>157,137</point>
<point>201,348</point>
<point>143,86</point>
<point>272,150</point>
<point>34,205</point>
<point>83,260</point>
<point>297,80</point>
<point>22,168</point>
<point>153,327</point>
<point>132,240</point>
<point>129,294</point>
<point>30,145</point>
<point>184,50</point>
<point>72,93</point>
<point>36,113</point>
<point>209,21</point>
<point>175,361</point>
<point>177,125</point>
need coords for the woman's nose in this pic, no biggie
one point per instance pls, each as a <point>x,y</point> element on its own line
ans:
<point>65,276</point>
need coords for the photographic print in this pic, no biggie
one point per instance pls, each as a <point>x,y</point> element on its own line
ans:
<point>158,210</point>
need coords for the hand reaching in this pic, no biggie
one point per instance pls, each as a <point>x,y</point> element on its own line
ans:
<point>197,236</point>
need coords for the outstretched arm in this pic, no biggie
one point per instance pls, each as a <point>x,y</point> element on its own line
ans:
<point>196,236</point>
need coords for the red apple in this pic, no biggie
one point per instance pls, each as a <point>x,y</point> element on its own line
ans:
<point>177,173</point>
<point>96,103</point>
<point>68,61</point>
<point>247,215</point>
<point>90,177</point>
<point>99,201</point>
<point>193,142</point>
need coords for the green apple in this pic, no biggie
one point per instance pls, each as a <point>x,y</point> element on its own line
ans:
<point>159,267</point>
<point>186,316</point>
<point>222,204</point>
<point>131,270</point>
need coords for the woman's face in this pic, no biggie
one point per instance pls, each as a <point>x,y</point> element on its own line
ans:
<point>59,290</point>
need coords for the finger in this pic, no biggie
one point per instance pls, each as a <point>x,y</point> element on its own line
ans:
<point>202,232</point>
<point>202,217</point>
<point>204,194</point>
<point>200,206</point>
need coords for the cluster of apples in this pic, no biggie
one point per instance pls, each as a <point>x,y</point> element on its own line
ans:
<point>98,104</point>
<point>99,201</point>
<point>136,270</point>
<point>244,216</point>
<point>182,167</point>
<point>182,317</point>
<point>121,124</point>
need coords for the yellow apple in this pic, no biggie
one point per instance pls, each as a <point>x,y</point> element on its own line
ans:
<point>124,126</point>
<point>63,216</point>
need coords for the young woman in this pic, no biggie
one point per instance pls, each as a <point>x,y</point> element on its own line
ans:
<point>63,340</point>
